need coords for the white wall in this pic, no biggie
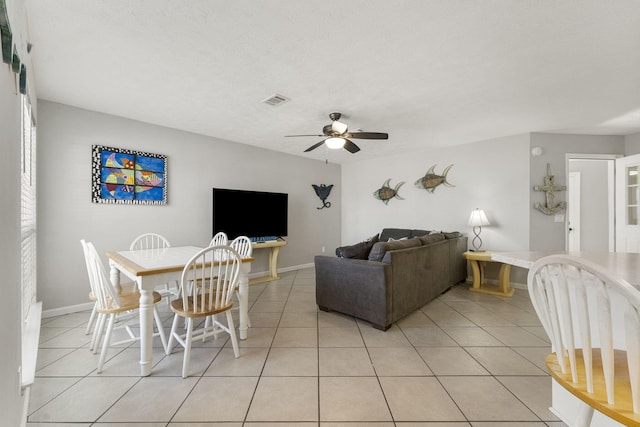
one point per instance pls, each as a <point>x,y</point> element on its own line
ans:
<point>545,233</point>
<point>632,144</point>
<point>195,164</point>
<point>12,400</point>
<point>492,175</point>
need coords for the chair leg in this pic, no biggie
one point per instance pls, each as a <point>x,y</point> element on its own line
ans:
<point>172,339</point>
<point>163,338</point>
<point>97,333</point>
<point>92,319</point>
<point>105,344</point>
<point>187,348</point>
<point>232,332</point>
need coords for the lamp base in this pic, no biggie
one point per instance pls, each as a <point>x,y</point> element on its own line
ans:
<point>476,246</point>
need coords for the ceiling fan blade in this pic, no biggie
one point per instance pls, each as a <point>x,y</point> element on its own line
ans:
<point>288,136</point>
<point>314,146</point>
<point>368,135</point>
<point>350,146</point>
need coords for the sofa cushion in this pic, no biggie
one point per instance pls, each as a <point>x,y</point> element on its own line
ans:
<point>394,233</point>
<point>452,234</point>
<point>359,250</point>
<point>431,238</point>
<point>379,249</point>
<point>417,233</point>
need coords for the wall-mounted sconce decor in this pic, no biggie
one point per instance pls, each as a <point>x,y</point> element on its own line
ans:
<point>322,191</point>
<point>386,193</point>
<point>431,180</point>
<point>549,188</point>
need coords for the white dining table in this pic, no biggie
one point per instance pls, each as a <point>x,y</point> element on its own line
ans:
<point>150,268</point>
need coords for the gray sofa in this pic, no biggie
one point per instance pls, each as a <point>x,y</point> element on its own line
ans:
<point>385,278</point>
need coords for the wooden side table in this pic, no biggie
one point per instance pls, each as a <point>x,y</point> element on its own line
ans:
<point>274,249</point>
<point>478,261</point>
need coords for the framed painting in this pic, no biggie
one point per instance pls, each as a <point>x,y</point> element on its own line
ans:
<point>128,177</point>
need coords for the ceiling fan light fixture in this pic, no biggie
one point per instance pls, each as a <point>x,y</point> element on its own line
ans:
<point>338,127</point>
<point>335,143</point>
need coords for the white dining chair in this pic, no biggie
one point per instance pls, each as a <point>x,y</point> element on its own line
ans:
<point>215,270</point>
<point>596,350</point>
<point>219,239</point>
<point>110,303</point>
<point>242,245</point>
<point>92,323</point>
<point>156,241</point>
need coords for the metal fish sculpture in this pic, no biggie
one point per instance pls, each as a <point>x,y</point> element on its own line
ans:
<point>386,193</point>
<point>430,181</point>
<point>322,191</point>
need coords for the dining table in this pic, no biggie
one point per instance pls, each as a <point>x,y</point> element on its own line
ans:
<point>151,268</point>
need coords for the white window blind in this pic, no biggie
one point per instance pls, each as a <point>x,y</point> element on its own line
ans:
<point>28,208</point>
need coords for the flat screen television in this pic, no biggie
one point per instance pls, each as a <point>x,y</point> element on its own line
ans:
<point>255,214</point>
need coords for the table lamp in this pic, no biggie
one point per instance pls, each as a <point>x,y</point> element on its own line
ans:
<point>477,220</point>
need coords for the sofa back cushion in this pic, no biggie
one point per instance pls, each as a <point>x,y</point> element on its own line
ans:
<point>359,250</point>
<point>379,249</point>
<point>394,233</point>
<point>431,238</point>
<point>417,233</point>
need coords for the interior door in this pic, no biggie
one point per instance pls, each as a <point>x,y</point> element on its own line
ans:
<point>628,204</point>
<point>573,213</point>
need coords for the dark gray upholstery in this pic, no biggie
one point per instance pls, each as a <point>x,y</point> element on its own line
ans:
<point>410,274</point>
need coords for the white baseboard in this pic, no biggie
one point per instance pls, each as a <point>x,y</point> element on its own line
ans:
<point>66,310</point>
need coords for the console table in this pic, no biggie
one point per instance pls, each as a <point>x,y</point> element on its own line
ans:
<point>477,261</point>
<point>274,249</point>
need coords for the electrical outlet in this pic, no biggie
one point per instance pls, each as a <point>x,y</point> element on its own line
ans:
<point>323,249</point>
<point>559,217</point>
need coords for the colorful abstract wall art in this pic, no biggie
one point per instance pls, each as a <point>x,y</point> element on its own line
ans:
<point>128,177</point>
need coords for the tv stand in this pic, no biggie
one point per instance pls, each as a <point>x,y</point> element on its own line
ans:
<point>274,248</point>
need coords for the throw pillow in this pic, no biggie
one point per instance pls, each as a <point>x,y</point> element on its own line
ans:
<point>359,250</point>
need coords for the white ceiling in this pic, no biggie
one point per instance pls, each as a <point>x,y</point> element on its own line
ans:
<point>431,73</point>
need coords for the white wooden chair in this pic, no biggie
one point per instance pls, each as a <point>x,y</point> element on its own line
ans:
<point>216,270</point>
<point>242,245</point>
<point>156,241</point>
<point>596,349</point>
<point>110,303</point>
<point>219,239</point>
<point>92,323</point>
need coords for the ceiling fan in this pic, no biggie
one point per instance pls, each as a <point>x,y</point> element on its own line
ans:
<point>336,135</point>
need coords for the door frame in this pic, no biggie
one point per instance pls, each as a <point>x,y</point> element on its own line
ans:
<point>611,202</point>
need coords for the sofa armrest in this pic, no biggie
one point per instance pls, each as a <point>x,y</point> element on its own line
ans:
<point>355,287</point>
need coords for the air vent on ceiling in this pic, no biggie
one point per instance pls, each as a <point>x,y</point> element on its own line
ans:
<point>275,99</point>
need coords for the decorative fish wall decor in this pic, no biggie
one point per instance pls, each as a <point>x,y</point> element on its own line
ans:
<point>430,181</point>
<point>386,193</point>
<point>322,191</point>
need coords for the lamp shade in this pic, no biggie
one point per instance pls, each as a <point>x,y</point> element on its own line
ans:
<point>478,218</point>
<point>334,143</point>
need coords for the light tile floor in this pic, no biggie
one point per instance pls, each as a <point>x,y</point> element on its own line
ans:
<point>465,359</point>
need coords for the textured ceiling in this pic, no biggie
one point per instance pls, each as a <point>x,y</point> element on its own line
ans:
<point>431,73</point>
